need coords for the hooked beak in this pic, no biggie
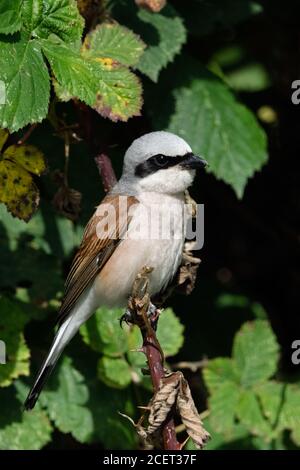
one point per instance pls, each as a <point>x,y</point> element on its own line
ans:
<point>193,162</point>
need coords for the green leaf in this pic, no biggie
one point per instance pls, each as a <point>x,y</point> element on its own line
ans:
<point>60,239</point>
<point>290,413</point>
<point>10,16</point>
<point>72,71</point>
<point>12,322</point>
<point>61,93</point>
<point>26,80</point>
<point>113,430</point>
<point>271,396</point>
<point>201,109</point>
<point>251,77</point>
<point>53,234</point>
<point>105,403</point>
<point>228,300</point>
<point>113,41</point>
<point>56,25</point>
<point>32,11</point>
<point>80,404</point>
<point>256,352</point>
<point>296,435</point>
<point>113,91</point>
<point>32,262</point>
<point>19,430</point>
<point>170,332</point>
<point>102,332</point>
<point>114,372</point>
<point>164,34</point>
<point>137,359</point>
<point>249,414</point>
<point>65,400</point>
<point>171,34</point>
<point>62,18</point>
<point>223,404</point>
<point>278,442</point>
<point>218,371</point>
<point>232,439</point>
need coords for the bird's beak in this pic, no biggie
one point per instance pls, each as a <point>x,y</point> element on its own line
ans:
<point>193,162</point>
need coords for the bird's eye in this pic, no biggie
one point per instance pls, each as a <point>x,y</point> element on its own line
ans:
<point>160,160</point>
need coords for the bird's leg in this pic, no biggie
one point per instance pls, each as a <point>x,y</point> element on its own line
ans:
<point>127,317</point>
<point>152,313</point>
<point>141,311</point>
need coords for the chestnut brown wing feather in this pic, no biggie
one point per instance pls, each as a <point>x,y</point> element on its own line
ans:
<point>94,251</point>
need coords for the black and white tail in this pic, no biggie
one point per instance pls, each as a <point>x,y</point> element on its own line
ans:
<point>62,337</point>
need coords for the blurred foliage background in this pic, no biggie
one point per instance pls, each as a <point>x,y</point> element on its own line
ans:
<point>218,73</point>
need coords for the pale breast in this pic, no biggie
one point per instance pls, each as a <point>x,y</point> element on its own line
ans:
<point>155,238</point>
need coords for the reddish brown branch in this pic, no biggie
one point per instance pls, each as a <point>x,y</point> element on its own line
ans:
<point>13,138</point>
<point>138,304</point>
<point>106,171</point>
<point>96,147</point>
<point>155,363</point>
<point>27,135</point>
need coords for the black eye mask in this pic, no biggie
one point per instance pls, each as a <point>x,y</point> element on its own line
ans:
<point>159,162</point>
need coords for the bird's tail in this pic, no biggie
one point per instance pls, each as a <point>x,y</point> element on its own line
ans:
<point>62,337</point>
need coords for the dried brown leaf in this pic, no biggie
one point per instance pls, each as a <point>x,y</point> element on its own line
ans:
<point>163,401</point>
<point>189,415</point>
<point>67,201</point>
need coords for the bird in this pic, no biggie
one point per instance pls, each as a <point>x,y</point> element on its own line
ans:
<point>158,168</point>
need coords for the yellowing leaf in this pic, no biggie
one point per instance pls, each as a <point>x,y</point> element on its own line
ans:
<point>106,62</point>
<point>111,40</point>
<point>114,92</point>
<point>27,156</point>
<point>18,190</point>
<point>3,137</point>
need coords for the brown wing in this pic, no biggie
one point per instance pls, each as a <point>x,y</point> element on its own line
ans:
<point>95,250</point>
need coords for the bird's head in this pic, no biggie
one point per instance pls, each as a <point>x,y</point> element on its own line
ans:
<point>161,162</point>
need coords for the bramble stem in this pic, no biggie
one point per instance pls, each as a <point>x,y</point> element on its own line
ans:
<point>156,368</point>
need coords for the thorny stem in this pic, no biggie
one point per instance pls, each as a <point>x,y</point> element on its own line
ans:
<point>156,368</point>
<point>106,171</point>
<point>96,147</point>
<point>13,138</point>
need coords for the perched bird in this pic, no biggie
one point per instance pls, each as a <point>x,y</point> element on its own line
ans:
<point>119,240</point>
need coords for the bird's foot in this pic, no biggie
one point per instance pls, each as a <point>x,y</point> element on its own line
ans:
<point>127,317</point>
<point>152,313</point>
